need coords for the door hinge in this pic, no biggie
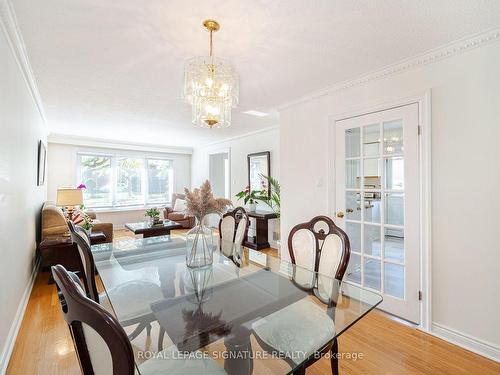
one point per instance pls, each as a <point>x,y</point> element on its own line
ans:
<point>420,295</point>
<point>419,130</point>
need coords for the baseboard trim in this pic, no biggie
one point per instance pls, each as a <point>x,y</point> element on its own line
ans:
<point>473,344</point>
<point>18,319</point>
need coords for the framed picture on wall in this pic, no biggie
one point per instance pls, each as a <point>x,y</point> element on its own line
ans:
<point>259,164</point>
<point>42,154</point>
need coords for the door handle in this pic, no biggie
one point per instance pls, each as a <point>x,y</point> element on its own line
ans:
<point>340,214</point>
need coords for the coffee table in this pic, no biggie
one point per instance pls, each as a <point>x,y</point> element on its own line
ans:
<point>97,236</point>
<point>148,229</point>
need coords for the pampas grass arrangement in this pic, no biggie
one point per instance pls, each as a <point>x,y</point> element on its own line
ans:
<point>199,240</point>
<point>201,202</point>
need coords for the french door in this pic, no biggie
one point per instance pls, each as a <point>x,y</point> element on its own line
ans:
<point>377,204</point>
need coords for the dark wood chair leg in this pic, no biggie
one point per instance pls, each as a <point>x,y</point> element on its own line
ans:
<point>334,361</point>
<point>161,336</point>
<point>136,331</point>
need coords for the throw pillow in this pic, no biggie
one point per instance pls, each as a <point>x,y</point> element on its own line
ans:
<point>180,205</point>
<point>77,217</point>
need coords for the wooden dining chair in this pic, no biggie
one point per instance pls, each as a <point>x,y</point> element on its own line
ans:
<point>233,226</point>
<point>133,298</point>
<point>319,246</point>
<point>101,344</point>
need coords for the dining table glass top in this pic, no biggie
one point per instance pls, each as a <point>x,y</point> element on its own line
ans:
<point>250,312</point>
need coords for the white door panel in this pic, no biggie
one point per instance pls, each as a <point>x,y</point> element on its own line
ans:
<point>377,191</point>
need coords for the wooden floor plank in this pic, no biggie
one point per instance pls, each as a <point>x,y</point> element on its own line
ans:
<point>44,345</point>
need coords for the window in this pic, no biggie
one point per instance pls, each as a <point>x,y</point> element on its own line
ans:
<point>129,181</point>
<point>160,177</point>
<point>125,181</point>
<point>96,175</point>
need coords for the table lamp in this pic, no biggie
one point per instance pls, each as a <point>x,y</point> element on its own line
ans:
<point>68,197</point>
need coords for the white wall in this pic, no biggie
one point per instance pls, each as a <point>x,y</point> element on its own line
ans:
<point>240,147</point>
<point>21,127</point>
<point>465,177</point>
<point>62,170</point>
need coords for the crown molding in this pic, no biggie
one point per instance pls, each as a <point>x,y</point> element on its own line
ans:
<point>269,128</point>
<point>10,27</point>
<point>74,140</point>
<point>429,57</point>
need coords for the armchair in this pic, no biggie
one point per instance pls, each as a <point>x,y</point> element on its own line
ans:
<point>180,217</point>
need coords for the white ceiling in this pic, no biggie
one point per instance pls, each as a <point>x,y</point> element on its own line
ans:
<point>113,69</point>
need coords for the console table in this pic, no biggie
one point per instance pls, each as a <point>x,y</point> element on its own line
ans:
<point>261,229</point>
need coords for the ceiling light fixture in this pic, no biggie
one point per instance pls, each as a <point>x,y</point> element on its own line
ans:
<point>211,87</point>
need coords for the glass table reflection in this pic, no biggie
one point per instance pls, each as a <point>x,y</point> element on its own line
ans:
<point>233,311</point>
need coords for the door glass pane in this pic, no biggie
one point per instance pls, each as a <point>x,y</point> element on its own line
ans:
<point>372,243</point>
<point>96,175</point>
<point>372,273</point>
<point>353,205</point>
<point>394,173</point>
<point>393,137</point>
<point>394,280</point>
<point>354,233</point>
<point>394,208</point>
<point>394,241</point>
<point>352,174</point>
<point>372,207</point>
<point>352,142</point>
<point>354,269</point>
<point>129,182</point>
<point>371,140</point>
<point>372,173</point>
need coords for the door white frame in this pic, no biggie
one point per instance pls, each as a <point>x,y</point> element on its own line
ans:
<point>424,119</point>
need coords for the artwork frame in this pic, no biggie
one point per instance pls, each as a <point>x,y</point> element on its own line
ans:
<point>42,156</point>
<point>258,163</point>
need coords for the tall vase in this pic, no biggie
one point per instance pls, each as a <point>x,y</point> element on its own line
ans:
<point>199,245</point>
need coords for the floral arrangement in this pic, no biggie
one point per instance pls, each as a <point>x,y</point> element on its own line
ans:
<point>274,200</point>
<point>249,196</point>
<point>201,202</point>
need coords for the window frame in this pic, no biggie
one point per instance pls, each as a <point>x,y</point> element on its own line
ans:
<point>114,156</point>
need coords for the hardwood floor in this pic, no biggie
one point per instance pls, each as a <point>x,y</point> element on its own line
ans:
<point>44,344</point>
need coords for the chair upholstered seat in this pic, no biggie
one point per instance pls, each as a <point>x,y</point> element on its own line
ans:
<point>131,299</point>
<point>296,331</point>
<point>170,361</point>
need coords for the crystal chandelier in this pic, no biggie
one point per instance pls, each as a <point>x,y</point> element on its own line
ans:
<point>211,87</point>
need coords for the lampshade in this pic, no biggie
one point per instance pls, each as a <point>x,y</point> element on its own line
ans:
<point>69,197</point>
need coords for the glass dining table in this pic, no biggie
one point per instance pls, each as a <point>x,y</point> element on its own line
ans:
<point>249,312</point>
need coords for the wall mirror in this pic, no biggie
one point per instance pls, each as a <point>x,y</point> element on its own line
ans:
<point>259,164</point>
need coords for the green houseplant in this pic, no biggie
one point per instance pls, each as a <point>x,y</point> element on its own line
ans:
<point>154,214</point>
<point>250,197</point>
<point>87,223</point>
<point>274,199</point>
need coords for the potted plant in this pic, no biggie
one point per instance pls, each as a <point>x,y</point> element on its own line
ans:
<point>249,197</point>
<point>153,214</point>
<point>273,201</point>
<point>87,223</point>
<point>199,203</point>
